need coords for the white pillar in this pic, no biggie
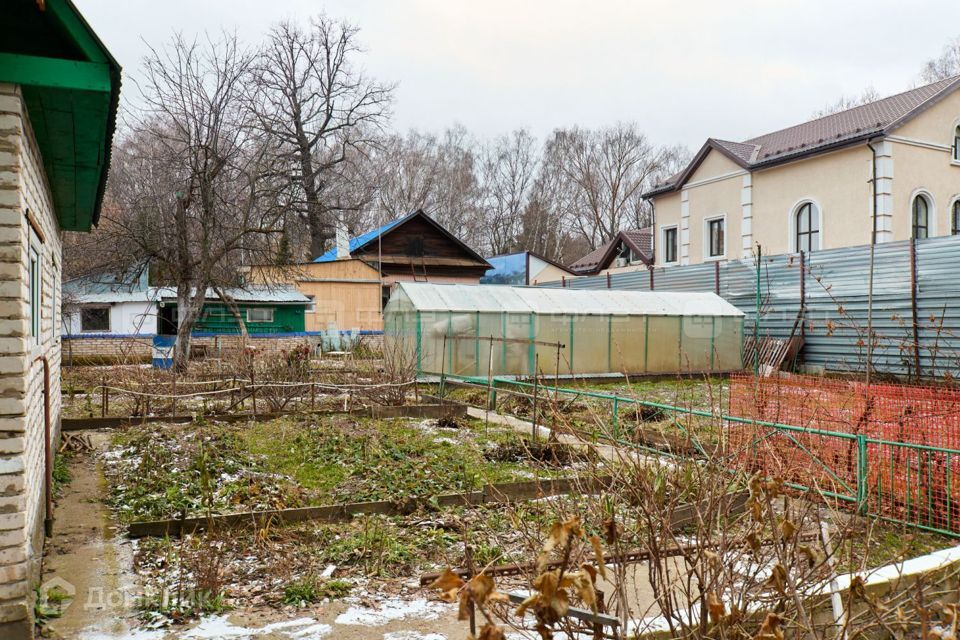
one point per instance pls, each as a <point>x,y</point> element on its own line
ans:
<point>684,227</point>
<point>884,197</point>
<point>746,209</point>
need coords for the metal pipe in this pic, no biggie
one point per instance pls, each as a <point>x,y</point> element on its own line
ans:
<point>47,449</point>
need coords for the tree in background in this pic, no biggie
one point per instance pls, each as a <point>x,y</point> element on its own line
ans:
<point>193,188</point>
<point>944,66</point>
<point>321,118</point>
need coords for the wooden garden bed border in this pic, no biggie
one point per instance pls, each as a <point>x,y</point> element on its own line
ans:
<point>434,411</point>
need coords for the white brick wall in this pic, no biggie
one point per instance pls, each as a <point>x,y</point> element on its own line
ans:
<point>23,186</point>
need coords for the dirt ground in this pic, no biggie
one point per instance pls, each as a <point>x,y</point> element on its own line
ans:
<point>87,559</point>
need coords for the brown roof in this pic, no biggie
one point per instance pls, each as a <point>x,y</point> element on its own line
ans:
<point>829,132</point>
<point>640,240</point>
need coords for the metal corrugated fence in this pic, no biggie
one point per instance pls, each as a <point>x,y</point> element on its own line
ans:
<point>834,289</point>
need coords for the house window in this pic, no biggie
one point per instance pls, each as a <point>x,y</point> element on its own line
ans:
<point>312,305</point>
<point>670,245</point>
<point>95,319</point>
<point>807,225</point>
<point>955,219</point>
<point>715,240</point>
<point>921,217</point>
<point>956,143</point>
<point>53,304</point>
<point>260,314</point>
<point>35,284</point>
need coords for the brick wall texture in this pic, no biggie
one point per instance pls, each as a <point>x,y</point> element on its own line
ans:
<point>23,187</point>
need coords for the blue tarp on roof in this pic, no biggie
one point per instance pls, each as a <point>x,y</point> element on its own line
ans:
<point>359,241</point>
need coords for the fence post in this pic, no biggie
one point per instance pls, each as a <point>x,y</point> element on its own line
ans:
<point>803,294</point>
<point>616,418</point>
<point>913,307</point>
<point>862,474</point>
<point>651,278</point>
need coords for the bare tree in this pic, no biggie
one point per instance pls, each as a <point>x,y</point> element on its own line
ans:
<point>437,174</point>
<point>944,66</point>
<point>321,116</point>
<point>192,189</point>
<point>509,171</point>
<point>609,169</point>
<point>848,102</point>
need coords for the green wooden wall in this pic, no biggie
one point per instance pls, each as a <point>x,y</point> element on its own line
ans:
<point>216,318</point>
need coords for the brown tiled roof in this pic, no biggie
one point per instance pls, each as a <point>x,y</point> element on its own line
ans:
<point>640,240</point>
<point>831,131</point>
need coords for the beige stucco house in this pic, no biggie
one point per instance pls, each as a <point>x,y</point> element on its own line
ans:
<point>59,89</point>
<point>817,185</point>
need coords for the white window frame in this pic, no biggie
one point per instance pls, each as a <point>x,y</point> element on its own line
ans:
<point>54,312</point>
<point>663,243</point>
<point>954,147</point>
<point>931,212</point>
<point>792,223</point>
<point>705,248</point>
<point>83,329</point>
<point>35,286</point>
<point>312,305</point>
<point>953,203</point>
<point>258,309</point>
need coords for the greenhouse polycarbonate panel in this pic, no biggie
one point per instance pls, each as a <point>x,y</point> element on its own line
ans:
<point>426,296</point>
<point>469,331</point>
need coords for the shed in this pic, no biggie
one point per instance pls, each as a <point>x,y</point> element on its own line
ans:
<point>448,328</point>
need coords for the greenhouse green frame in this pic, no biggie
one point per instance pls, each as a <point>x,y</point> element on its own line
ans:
<point>448,329</point>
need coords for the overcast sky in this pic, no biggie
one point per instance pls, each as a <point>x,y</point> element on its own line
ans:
<point>683,69</point>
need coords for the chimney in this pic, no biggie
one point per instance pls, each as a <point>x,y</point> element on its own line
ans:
<point>343,240</point>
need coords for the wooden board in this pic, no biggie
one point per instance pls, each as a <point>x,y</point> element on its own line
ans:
<point>490,494</point>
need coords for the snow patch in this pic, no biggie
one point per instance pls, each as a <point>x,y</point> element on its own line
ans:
<point>391,609</point>
<point>413,635</point>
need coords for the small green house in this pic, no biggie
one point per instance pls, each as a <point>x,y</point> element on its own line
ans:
<point>264,310</point>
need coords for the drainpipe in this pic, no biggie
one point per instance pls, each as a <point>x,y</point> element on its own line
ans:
<point>873,244</point>
<point>47,450</point>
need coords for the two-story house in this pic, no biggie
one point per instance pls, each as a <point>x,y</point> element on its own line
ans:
<point>817,185</point>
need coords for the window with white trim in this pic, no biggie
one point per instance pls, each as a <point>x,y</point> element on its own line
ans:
<point>312,305</point>
<point>715,237</point>
<point>670,244</point>
<point>921,217</point>
<point>260,314</point>
<point>807,228</point>
<point>956,143</point>
<point>955,218</point>
<point>36,283</point>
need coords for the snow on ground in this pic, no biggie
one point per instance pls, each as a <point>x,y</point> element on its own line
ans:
<point>358,620</point>
<point>389,610</point>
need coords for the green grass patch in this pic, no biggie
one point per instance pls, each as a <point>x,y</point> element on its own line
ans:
<point>311,590</point>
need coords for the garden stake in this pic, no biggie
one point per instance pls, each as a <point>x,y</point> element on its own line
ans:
<point>536,386</point>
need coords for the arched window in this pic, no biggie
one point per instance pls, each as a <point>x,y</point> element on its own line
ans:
<point>956,143</point>
<point>921,217</point>
<point>807,226</point>
<point>955,218</point>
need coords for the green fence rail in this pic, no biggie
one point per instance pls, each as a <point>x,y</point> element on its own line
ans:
<point>900,482</point>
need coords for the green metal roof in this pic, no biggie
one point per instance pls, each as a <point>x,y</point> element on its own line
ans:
<point>71,88</point>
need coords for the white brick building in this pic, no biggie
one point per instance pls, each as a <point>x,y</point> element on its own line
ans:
<point>58,95</point>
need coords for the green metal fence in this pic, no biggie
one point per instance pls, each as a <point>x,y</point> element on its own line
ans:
<point>907,483</point>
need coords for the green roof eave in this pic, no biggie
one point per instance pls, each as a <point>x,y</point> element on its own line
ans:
<point>72,104</point>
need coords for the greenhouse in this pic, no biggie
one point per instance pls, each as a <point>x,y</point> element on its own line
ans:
<point>471,330</point>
